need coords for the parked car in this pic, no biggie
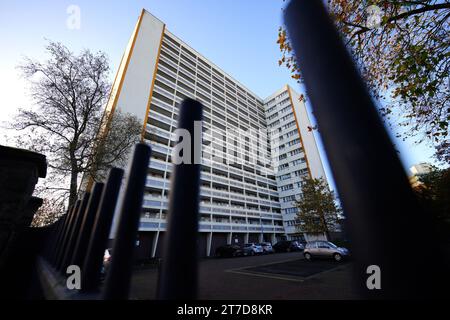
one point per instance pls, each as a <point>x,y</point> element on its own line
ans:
<point>325,249</point>
<point>267,247</point>
<point>288,246</point>
<point>229,250</point>
<point>252,249</point>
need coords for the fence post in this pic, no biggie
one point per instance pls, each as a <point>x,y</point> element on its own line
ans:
<point>73,234</point>
<point>52,240</point>
<point>119,274</point>
<point>178,278</point>
<point>61,234</point>
<point>65,234</point>
<point>90,276</point>
<point>377,199</point>
<point>79,251</point>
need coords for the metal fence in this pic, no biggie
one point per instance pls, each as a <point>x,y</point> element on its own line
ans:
<point>80,237</point>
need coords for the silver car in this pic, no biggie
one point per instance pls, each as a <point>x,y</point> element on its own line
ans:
<point>253,248</point>
<point>324,249</point>
<point>267,247</point>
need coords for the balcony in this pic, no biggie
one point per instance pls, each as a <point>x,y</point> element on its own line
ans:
<point>164,119</point>
<point>154,130</point>
<point>168,61</point>
<point>160,148</point>
<point>167,70</point>
<point>157,183</point>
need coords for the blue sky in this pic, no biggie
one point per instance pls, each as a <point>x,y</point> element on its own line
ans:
<point>238,36</point>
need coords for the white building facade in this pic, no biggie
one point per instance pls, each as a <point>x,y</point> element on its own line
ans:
<point>294,151</point>
<point>243,193</point>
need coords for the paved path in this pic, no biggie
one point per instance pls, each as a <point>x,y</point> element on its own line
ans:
<point>262,277</point>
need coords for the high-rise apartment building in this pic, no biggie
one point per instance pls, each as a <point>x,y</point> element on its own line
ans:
<point>255,151</point>
<point>294,152</point>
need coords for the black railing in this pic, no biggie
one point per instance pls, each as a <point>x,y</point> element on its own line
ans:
<point>80,237</point>
<point>178,278</point>
<point>118,277</point>
<point>93,261</point>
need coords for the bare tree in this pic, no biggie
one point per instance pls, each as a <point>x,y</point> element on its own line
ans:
<point>68,123</point>
<point>112,144</point>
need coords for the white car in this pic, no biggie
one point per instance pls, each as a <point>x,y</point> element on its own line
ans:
<point>267,247</point>
<point>253,248</point>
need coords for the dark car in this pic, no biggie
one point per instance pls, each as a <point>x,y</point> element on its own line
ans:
<point>229,250</point>
<point>288,246</point>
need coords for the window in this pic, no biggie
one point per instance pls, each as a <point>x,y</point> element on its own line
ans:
<point>293,142</point>
<point>286,187</point>
<point>288,198</point>
<point>290,133</point>
<point>290,210</point>
<point>289,125</point>
<point>284,177</point>
<point>298,161</point>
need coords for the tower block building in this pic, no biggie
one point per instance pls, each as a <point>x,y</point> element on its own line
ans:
<point>255,152</point>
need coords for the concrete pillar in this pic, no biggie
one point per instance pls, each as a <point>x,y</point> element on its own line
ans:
<point>261,237</point>
<point>155,244</point>
<point>230,238</point>
<point>274,238</point>
<point>246,238</point>
<point>208,244</point>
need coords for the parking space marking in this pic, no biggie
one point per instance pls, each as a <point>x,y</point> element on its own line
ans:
<point>326,271</point>
<point>244,271</point>
<point>264,275</point>
<point>263,264</point>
